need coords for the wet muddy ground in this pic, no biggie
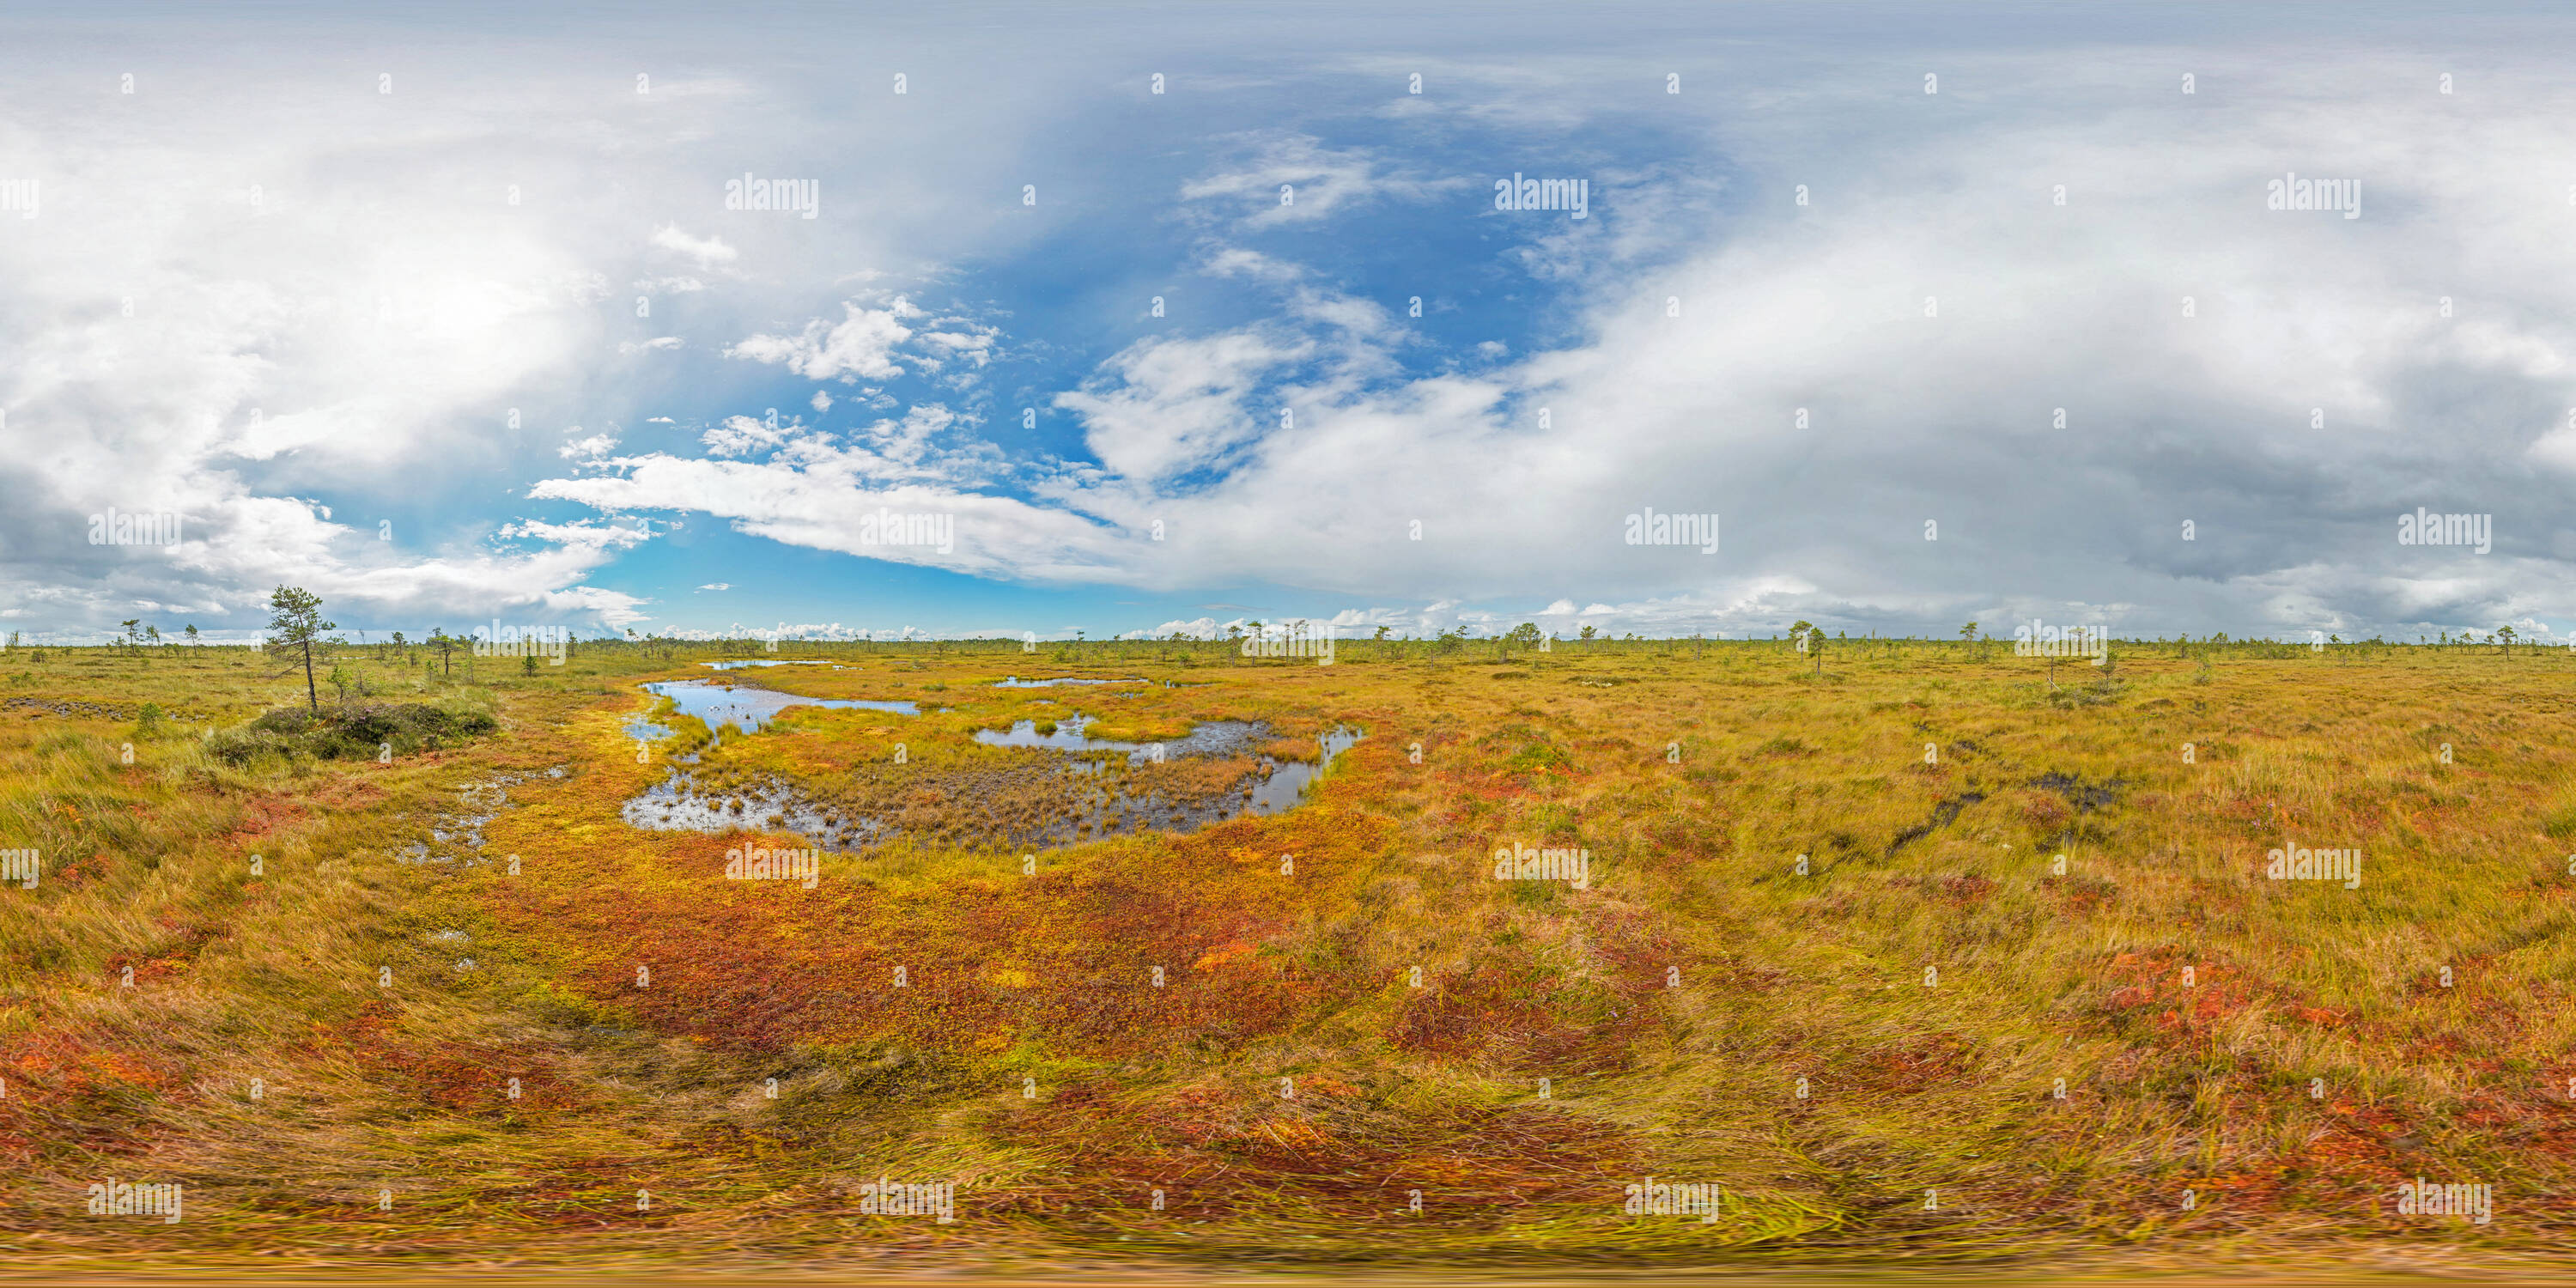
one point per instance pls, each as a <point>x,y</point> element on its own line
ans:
<point>748,708</point>
<point>1063,787</point>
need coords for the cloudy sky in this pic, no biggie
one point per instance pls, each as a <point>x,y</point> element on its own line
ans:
<point>443,313</point>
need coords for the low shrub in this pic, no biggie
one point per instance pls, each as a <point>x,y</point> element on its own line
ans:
<point>351,732</point>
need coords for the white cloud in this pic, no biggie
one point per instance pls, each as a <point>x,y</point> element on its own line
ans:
<point>587,450</point>
<point>2556,449</point>
<point>861,344</point>
<point>588,534</point>
<point>373,328</point>
<point>961,340</point>
<point>739,435</point>
<point>822,493</point>
<point>1166,408</point>
<point>1317,180</point>
<point>706,252</point>
<point>359,334</point>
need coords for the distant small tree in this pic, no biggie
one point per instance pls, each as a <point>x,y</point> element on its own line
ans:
<point>2505,634</point>
<point>295,623</point>
<point>1586,633</point>
<point>192,634</point>
<point>152,633</point>
<point>133,636</point>
<point>1811,641</point>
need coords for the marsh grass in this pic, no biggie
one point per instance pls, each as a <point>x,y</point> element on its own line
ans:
<point>1672,1007</point>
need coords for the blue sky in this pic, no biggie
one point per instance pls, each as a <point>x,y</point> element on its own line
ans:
<point>294,285</point>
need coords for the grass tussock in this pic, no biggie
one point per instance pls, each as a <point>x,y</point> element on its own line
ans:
<point>349,732</point>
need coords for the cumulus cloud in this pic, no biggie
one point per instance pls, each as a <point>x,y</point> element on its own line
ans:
<point>1839,385</point>
<point>1168,408</point>
<point>958,340</point>
<point>1837,379</point>
<point>739,435</point>
<point>588,449</point>
<point>1834,384</point>
<point>861,344</point>
<point>860,495</point>
<point>324,341</point>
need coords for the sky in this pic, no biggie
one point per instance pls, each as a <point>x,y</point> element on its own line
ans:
<point>1135,319</point>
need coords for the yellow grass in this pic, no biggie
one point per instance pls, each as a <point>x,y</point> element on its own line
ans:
<point>2280,1053</point>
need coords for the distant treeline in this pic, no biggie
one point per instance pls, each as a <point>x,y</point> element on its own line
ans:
<point>1521,643</point>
